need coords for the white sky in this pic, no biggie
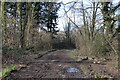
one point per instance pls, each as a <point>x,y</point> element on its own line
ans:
<point>62,20</point>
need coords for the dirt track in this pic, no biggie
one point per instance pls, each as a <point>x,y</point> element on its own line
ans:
<point>55,64</point>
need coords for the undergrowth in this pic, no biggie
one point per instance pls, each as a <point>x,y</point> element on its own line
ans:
<point>5,72</point>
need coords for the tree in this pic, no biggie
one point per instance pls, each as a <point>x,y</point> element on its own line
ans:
<point>3,16</point>
<point>47,15</point>
<point>109,16</point>
<point>22,22</point>
<point>67,30</point>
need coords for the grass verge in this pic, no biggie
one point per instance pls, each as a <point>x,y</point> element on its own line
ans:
<point>5,72</point>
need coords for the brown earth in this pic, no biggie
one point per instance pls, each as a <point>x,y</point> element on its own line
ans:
<point>55,65</point>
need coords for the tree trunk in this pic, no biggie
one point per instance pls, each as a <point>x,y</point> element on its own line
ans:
<point>108,20</point>
<point>4,22</point>
<point>95,7</point>
<point>20,22</point>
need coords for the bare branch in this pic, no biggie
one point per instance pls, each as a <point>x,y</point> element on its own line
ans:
<point>116,7</point>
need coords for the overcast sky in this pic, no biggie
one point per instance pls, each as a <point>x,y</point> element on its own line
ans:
<point>62,19</point>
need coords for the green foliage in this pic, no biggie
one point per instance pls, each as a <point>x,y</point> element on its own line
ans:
<point>100,76</point>
<point>5,72</point>
<point>23,22</point>
<point>49,15</point>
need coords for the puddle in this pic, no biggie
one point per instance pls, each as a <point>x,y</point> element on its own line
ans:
<point>73,70</point>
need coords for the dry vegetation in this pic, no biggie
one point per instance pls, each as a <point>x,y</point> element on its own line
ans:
<point>27,31</point>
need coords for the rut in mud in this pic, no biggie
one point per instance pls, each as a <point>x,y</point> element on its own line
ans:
<point>55,65</point>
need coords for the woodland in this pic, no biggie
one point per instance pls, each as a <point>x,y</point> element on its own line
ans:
<point>90,30</point>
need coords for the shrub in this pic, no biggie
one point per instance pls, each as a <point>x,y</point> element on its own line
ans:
<point>100,46</point>
<point>43,42</point>
<point>86,46</point>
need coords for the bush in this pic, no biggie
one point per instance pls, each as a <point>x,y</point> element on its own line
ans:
<point>100,46</point>
<point>86,46</point>
<point>83,44</point>
<point>43,42</point>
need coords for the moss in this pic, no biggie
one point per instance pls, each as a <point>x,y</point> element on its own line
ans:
<point>5,72</point>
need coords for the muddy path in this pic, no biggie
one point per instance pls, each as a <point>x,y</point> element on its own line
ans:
<point>55,65</point>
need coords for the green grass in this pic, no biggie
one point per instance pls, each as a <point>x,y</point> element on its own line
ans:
<point>5,72</point>
<point>100,76</point>
<point>84,69</point>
